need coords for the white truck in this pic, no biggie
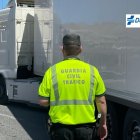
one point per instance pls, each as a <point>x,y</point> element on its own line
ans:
<point>26,40</point>
<point>30,34</point>
<point>115,50</point>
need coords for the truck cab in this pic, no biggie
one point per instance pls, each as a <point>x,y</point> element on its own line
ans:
<point>26,47</point>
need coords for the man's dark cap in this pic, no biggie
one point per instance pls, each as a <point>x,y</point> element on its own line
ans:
<point>71,39</point>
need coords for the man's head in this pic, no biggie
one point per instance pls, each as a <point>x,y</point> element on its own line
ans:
<point>71,44</point>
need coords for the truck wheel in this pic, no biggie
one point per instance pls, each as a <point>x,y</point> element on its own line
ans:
<point>3,95</point>
<point>131,129</point>
<point>112,122</point>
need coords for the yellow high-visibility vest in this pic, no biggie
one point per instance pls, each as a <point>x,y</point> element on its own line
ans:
<point>71,87</point>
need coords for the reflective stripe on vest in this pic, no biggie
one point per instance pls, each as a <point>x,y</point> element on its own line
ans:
<point>71,102</point>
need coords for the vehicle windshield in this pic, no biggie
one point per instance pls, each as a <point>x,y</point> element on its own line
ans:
<point>29,3</point>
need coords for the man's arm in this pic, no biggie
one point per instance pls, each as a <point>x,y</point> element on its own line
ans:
<point>44,102</point>
<point>102,108</point>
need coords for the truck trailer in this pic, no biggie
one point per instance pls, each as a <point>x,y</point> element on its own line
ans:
<point>114,49</point>
<point>30,40</point>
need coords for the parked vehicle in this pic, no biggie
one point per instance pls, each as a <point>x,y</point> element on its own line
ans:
<point>26,40</point>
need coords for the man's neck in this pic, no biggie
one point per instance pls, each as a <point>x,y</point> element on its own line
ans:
<point>71,57</point>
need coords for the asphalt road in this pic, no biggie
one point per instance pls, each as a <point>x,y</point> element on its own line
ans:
<point>22,122</point>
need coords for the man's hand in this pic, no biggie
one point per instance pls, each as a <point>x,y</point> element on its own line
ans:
<point>102,109</point>
<point>102,131</point>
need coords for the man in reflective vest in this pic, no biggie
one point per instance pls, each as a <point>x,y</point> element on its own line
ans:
<point>70,88</point>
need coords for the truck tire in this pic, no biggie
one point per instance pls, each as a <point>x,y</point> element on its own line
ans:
<point>112,122</point>
<point>3,95</point>
<point>131,129</point>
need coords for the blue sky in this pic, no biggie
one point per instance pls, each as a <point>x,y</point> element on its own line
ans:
<point>3,3</point>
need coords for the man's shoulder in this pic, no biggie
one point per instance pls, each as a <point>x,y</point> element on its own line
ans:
<point>91,65</point>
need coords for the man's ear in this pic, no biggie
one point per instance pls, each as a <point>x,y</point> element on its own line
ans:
<point>81,49</point>
<point>62,49</point>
